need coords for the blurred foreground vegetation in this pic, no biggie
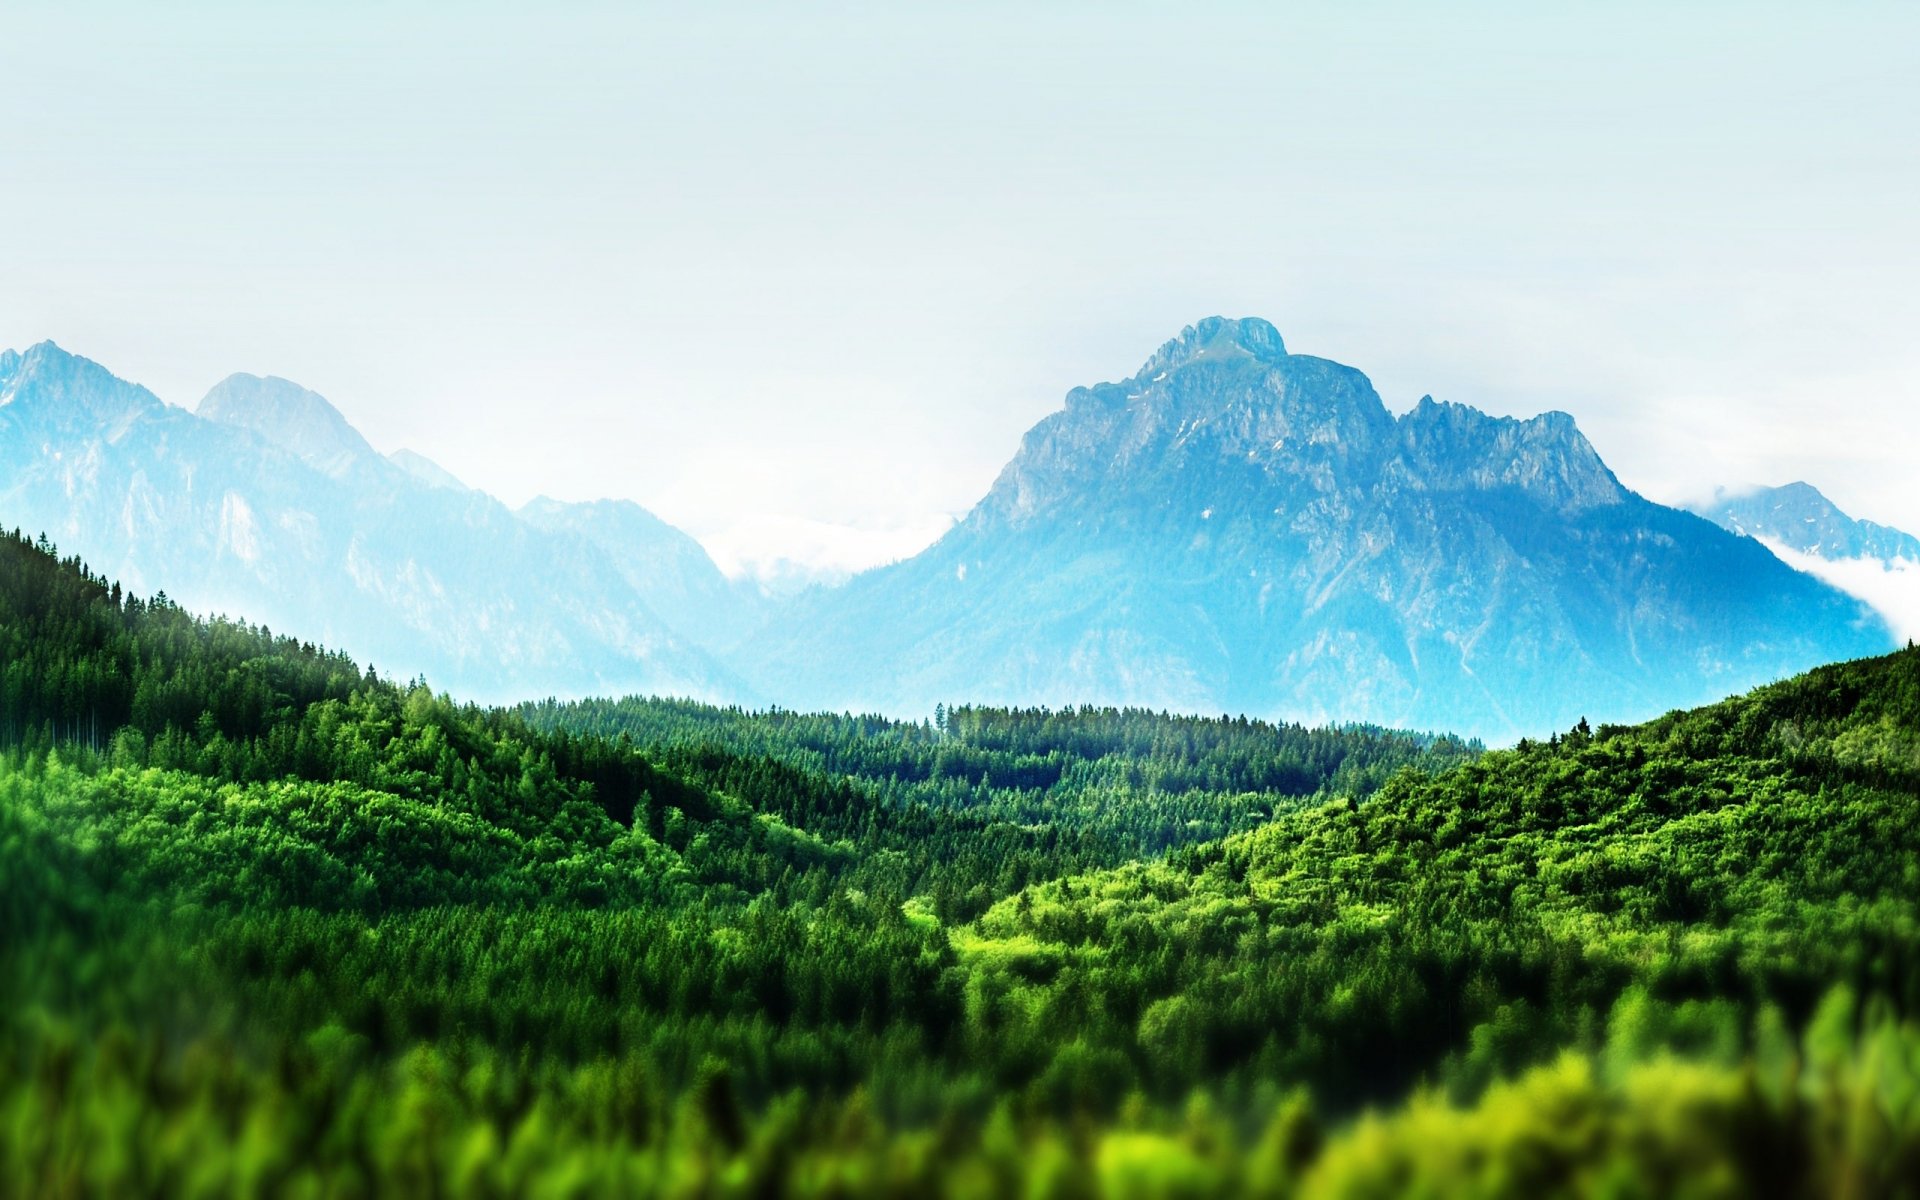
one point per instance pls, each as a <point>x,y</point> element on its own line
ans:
<point>272,925</point>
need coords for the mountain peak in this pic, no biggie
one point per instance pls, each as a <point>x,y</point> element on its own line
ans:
<point>1218,338</point>
<point>47,358</point>
<point>289,416</point>
<point>1450,445</point>
<point>70,391</point>
<point>46,350</point>
<point>1800,489</point>
<point>1801,518</point>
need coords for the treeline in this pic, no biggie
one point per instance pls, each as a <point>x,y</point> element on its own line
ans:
<point>327,934</point>
<point>1146,781</point>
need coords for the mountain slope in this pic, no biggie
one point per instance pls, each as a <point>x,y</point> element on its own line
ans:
<point>291,417</point>
<point>681,583</point>
<point>1808,532</point>
<point>1237,528</point>
<point>269,505</point>
<point>426,470</point>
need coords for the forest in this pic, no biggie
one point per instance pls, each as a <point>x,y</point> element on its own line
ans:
<point>271,924</point>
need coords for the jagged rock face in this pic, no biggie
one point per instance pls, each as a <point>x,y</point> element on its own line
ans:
<point>48,393</point>
<point>1800,518</point>
<point>1453,448</point>
<point>268,505</point>
<point>1223,407</point>
<point>1236,528</point>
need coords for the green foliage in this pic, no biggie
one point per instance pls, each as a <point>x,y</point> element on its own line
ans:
<point>272,925</point>
<point>1145,782</point>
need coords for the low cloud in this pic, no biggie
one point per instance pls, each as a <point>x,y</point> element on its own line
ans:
<point>1891,586</point>
<point>786,553</point>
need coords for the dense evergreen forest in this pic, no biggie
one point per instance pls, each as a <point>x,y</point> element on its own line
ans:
<point>1147,782</point>
<point>270,924</point>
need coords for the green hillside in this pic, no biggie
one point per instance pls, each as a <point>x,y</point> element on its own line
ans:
<point>1146,782</point>
<point>272,925</point>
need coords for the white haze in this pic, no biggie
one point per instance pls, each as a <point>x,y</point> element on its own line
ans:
<point>1891,586</point>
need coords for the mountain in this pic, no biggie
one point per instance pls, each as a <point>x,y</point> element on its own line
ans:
<point>1808,532</point>
<point>267,504</point>
<point>291,417</point>
<point>1237,528</point>
<point>426,470</point>
<point>1798,517</point>
<point>673,571</point>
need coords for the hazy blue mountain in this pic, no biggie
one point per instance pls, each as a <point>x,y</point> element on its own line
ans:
<point>1807,532</point>
<point>296,420</point>
<point>674,572</point>
<point>1798,517</point>
<point>1240,529</point>
<point>267,505</point>
<point>426,470</point>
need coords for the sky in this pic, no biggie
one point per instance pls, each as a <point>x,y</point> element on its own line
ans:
<point>798,277</point>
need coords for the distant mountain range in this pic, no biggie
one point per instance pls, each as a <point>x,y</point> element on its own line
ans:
<point>266,504</point>
<point>1235,528</point>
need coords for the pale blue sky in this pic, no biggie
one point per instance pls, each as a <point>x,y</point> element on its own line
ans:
<point>780,272</point>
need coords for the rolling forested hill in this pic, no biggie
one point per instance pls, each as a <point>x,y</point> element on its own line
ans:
<point>1149,782</point>
<point>270,924</point>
